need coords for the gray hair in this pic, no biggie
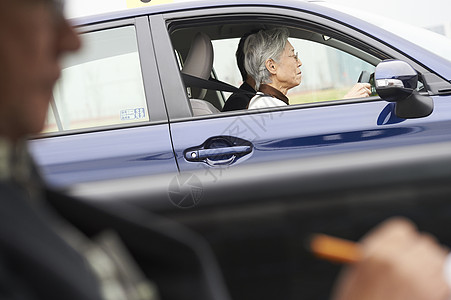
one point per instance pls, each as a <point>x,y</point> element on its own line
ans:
<point>261,46</point>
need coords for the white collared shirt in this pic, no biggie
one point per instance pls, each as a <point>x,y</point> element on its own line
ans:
<point>261,100</point>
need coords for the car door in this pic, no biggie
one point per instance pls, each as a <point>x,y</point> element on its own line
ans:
<point>218,141</point>
<point>107,118</point>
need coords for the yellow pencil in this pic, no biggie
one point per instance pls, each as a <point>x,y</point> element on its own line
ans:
<point>335,249</point>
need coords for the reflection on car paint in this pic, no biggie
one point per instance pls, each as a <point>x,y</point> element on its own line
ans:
<point>388,116</point>
<point>336,138</point>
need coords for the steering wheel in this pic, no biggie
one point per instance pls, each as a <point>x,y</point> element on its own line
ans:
<point>367,77</point>
<point>364,77</point>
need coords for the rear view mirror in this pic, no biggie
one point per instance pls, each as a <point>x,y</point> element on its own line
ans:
<point>396,81</point>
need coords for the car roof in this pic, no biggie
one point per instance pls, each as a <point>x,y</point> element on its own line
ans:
<point>419,54</point>
<point>195,4</point>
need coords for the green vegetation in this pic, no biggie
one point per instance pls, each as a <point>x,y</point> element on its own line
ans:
<point>317,96</point>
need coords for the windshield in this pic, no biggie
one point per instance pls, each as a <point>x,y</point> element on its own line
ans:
<point>434,42</point>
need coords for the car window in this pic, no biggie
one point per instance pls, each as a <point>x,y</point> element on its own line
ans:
<point>224,62</point>
<point>331,66</point>
<point>328,73</point>
<point>432,41</point>
<point>100,85</point>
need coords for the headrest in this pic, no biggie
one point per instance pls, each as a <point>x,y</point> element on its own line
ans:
<point>199,61</point>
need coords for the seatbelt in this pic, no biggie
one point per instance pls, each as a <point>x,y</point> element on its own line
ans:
<point>211,84</point>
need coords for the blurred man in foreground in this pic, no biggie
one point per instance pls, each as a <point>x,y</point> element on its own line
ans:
<point>53,246</point>
<point>45,251</point>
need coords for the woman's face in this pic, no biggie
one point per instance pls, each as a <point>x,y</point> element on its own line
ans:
<point>287,73</point>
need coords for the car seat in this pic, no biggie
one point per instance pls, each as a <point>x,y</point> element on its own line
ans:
<point>199,63</point>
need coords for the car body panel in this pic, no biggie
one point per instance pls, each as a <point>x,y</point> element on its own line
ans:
<point>312,132</point>
<point>105,154</point>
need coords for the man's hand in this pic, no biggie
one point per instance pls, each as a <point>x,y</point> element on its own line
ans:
<point>359,90</point>
<point>399,263</point>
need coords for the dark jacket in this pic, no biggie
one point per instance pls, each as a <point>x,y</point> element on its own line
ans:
<point>238,101</point>
<point>36,263</point>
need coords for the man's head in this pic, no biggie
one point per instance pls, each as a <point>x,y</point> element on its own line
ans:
<point>33,37</point>
<point>240,54</point>
<point>262,46</point>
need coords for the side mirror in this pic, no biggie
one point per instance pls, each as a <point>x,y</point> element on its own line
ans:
<point>396,81</point>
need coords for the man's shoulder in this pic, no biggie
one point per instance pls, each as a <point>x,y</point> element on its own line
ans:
<point>11,197</point>
<point>239,100</point>
<point>246,86</point>
<point>236,101</point>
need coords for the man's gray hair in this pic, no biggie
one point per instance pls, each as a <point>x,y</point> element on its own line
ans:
<point>261,46</point>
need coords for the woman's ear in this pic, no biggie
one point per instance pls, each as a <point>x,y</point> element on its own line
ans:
<point>271,66</point>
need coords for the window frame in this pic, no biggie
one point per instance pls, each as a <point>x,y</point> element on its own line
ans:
<point>152,88</point>
<point>179,111</point>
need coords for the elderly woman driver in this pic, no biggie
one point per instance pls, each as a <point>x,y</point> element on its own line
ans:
<point>272,61</point>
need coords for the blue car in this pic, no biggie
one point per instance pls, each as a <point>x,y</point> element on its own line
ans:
<point>145,94</point>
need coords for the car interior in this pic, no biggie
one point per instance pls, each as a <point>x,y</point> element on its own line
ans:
<point>195,53</point>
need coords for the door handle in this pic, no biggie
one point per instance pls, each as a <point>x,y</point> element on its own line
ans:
<point>202,154</point>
